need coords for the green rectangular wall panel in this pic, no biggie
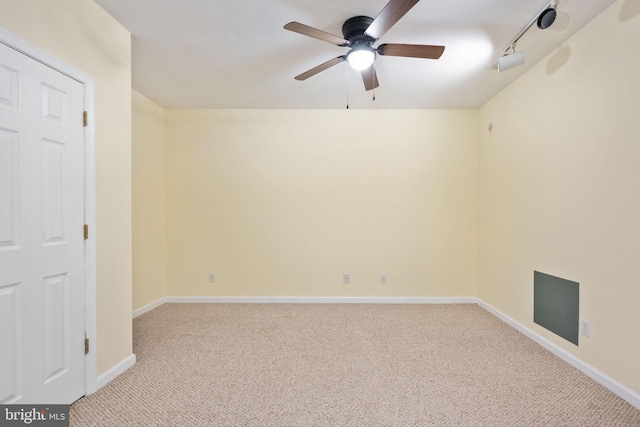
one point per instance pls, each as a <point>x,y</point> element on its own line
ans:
<point>556,304</point>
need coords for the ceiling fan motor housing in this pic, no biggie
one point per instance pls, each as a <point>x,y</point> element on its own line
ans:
<point>353,30</point>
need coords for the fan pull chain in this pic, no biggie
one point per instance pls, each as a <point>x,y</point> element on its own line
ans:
<point>373,83</point>
<point>348,87</point>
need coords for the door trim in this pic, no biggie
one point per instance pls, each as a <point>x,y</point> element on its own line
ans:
<point>90,321</point>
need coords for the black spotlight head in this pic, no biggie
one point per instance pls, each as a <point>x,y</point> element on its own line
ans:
<point>547,18</point>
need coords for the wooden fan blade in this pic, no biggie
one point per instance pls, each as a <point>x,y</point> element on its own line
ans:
<point>392,12</point>
<point>306,30</point>
<point>370,78</point>
<point>411,50</point>
<point>312,72</point>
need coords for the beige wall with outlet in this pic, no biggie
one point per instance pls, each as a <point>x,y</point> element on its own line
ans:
<point>560,189</point>
<point>284,202</point>
<point>86,37</point>
<point>149,201</point>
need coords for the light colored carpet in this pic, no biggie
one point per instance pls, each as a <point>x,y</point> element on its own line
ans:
<point>343,365</point>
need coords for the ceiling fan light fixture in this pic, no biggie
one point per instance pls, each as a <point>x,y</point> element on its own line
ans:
<point>361,59</point>
<point>359,35</point>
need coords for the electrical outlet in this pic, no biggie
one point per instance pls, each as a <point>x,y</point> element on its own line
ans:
<point>585,328</point>
<point>212,278</point>
<point>346,279</point>
<point>383,278</point>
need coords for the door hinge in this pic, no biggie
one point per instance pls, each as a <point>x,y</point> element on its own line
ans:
<point>85,118</point>
<point>86,232</point>
<point>86,346</point>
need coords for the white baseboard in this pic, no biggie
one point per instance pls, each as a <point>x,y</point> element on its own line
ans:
<point>116,370</point>
<point>324,300</point>
<point>142,310</point>
<point>302,300</point>
<point>614,386</point>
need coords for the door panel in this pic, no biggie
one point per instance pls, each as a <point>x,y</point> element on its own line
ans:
<point>8,87</point>
<point>56,328</point>
<point>54,104</point>
<point>54,192</point>
<point>12,342</point>
<point>9,188</point>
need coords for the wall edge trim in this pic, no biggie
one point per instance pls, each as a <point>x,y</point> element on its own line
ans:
<point>116,370</point>
<point>321,300</point>
<point>144,309</point>
<point>601,378</point>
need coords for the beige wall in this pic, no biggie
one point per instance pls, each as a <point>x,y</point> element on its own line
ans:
<point>149,202</point>
<point>85,36</point>
<point>560,189</point>
<point>283,202</point>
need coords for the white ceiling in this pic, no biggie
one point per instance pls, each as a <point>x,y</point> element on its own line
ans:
<point>235,54</point>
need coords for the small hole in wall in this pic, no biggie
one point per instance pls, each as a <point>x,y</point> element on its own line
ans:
<point>490,127</point>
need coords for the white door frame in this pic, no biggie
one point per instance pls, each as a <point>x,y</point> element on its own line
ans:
<point>90,317</point>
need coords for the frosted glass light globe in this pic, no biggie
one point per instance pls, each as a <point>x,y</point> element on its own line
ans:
<point>361,59</point>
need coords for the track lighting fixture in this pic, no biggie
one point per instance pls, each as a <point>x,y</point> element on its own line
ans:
<point>548,18</point>
<point>511,59</point>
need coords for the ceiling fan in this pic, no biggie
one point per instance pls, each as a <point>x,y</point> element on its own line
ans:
<point>359,34</point>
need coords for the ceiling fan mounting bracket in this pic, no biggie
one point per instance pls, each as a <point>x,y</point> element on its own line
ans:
<point>353,30</point>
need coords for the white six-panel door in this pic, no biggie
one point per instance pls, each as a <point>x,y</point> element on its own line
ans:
<point>42,174</point>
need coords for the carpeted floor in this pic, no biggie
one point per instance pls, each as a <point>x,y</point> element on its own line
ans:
<point>343,365</point>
